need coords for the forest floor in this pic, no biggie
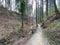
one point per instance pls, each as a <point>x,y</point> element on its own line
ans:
<point>52,29</point>
<point>10,28</point>
<point>12,34</point>
<point>53,32</point>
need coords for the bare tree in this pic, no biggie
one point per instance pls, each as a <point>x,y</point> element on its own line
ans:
<point>22,10</point>
<point>47,8</point>
<point>55,6</point>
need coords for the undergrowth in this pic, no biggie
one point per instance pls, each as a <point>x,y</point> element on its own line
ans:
<point>53,32</point>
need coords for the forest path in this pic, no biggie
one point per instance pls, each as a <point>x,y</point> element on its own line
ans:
<point>38,38</point>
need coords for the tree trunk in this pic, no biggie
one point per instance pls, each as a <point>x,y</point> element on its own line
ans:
<point>36,13</point>
<point>42,10</point>
<point>55,6</point>
<point>22,20</point>
<point>47,8</point>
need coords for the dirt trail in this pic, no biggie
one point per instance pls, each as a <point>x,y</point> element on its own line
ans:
<point>38,38</point>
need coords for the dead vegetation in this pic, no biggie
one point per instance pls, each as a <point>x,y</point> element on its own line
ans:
<point>50,20</point>
<point>10,28</point>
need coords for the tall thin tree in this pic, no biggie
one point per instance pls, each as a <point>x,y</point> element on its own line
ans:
<point>22,10</point>
<point>55,6</point>
<point>41,10</point>
<point>47,8</point>
<point>36,13</point>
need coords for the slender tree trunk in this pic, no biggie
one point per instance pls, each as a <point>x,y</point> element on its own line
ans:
<point>22,10</point>
<point>55,6</point>
<point>40,12</point>
<point>22,20</point>
<point>36,13</point>
<point>47,8</point>
<point>42,9</point>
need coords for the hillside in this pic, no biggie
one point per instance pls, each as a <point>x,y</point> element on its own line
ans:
<point>8,22</point>
<point>10,28</point>
<point>52,29</point>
